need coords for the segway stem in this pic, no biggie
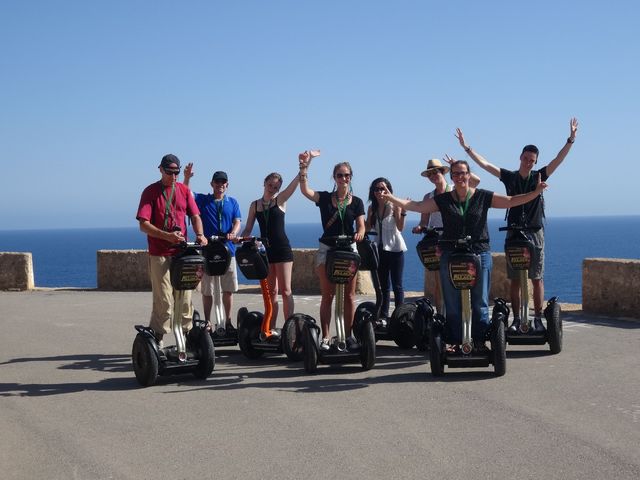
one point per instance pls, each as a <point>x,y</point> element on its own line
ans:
<point>339,314</point>
<point>467,342</point>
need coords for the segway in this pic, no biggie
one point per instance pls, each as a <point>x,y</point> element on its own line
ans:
<point>255,336</point>
<point>463,268</point>
<point>429,254</point>
<point>341,266</point>
<point>193,352</point>
<point>518,249</point>
<point>217,260</point>
<point>399,327</point>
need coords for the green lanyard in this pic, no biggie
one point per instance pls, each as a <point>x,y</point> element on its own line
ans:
<point>167,204</point>
<point>342,207</point>
<point>524,184</point>
<point>265,213</point>
<point>219,208</point>
<point>463,209</point>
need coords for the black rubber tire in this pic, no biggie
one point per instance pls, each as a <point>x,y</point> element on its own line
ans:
<point>292,337</point>
<point>499,350</point>
<point>436,351</point>
<point>402,325</point>
<point>204,351</point>
<point>145,361</point>
<point>553,315</point>
<point>365,312</point>
<point>310,352</point>
<point>368,346</point>
<point>248,331</point>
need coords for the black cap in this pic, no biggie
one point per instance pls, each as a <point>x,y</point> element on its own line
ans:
<point>220,176</point>
<point>168,159</point>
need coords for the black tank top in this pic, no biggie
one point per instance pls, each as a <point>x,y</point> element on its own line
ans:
<point>271,224</point>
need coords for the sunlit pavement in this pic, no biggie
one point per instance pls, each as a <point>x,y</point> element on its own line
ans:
<point>71,407</point>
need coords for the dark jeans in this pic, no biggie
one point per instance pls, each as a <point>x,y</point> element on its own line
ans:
<point>390,272</point>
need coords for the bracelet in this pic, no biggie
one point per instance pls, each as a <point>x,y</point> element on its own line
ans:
<point>403,214</point>
<point>199,235</point>
<point>467,149</point>
<point>569,140</point>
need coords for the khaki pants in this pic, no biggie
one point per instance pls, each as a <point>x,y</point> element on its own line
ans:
<point>163,296</point>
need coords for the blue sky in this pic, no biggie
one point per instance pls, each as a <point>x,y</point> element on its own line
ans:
<point>92,94</point>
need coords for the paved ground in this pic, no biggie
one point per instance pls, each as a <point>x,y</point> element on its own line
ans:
<point>71,409</point>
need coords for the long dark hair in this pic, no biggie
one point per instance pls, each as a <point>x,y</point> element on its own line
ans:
<point>372,194</point>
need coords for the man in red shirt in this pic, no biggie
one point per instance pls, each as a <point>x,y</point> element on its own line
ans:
<point>164,206</point>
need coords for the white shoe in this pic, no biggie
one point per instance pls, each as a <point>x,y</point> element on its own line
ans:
<point>324,345</point>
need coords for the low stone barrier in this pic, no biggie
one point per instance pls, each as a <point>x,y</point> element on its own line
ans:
<point>128,270</point>
<point>611,287</point>
<point>16,271</point>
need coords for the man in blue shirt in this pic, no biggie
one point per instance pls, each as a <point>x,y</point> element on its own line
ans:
<point>220,215</point>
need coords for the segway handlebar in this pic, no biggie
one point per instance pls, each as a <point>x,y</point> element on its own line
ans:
<point>515,228</point>
<point>425,230</point>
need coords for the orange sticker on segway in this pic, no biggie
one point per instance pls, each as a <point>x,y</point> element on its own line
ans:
<point>462,275</point>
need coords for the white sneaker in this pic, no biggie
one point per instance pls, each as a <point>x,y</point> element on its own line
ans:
<point>324,345</point>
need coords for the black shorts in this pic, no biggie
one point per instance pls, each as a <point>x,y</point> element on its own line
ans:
<point>280,254</point>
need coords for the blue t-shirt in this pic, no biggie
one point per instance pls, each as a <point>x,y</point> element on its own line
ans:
<point>218,215</point>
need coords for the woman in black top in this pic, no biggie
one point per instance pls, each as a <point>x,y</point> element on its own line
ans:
<point>342,213</point>
<point>464,213</point>
<point>269,210</point>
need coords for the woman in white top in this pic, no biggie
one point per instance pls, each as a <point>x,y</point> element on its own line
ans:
<point>388,221</point>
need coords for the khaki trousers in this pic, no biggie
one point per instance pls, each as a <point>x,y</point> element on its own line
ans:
<point>163,297</point>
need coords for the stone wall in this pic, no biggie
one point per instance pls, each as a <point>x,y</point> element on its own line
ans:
<point>16,271</point>
<point>611,287</point>
<point>128,270</point>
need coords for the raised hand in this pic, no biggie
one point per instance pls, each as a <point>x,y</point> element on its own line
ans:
<point>573,125</point>
<point>540,185</point>
<point>449,159</point>
<point>188,170</point>
<point>460,138</point>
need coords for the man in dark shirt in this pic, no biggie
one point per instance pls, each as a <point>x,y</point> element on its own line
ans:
<point>530,214</point>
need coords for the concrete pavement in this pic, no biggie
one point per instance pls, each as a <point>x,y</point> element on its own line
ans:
<point>71,407</point>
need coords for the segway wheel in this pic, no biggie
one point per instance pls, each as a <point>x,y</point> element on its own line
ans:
<point>436,351</point>
<point>310,351</point>
<point>248,331</point>
<point>402,327</point>
<point>292,336</point>
<point>553,315</point>
<point>364,314</point>
<point>145,361</point>
<point>204,350</point>
<point>368,346</point>
<point>499,350</point>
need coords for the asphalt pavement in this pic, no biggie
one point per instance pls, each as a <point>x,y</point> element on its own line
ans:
<point>70,406</point>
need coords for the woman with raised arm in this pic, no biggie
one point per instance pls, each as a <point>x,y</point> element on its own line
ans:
<point>342,213</point>
<point>270,210</point>
<point>464,213</point>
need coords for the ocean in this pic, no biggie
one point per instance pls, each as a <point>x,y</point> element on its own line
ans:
<point>67,258</point>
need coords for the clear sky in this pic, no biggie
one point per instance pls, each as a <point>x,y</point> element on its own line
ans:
<point>93,93</point>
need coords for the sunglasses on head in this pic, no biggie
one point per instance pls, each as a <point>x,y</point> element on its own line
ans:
<point>343,175</point>
<point>171,171</point>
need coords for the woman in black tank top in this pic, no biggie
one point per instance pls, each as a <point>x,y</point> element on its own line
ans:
<point>269,210</point>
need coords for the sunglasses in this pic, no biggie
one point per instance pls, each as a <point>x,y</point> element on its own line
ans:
<point>220,182</point>
<point>459,174</point>
<point>378,190</point>
<point>343,175</point>
<point>169,171</point>
<point>432,173</point>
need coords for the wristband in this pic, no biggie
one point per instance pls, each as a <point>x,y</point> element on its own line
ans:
<point>570,141</point>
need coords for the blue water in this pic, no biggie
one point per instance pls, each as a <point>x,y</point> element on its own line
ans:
<point>67,258</point>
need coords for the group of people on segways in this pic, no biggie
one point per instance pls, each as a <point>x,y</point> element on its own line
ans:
<point>454,217</point>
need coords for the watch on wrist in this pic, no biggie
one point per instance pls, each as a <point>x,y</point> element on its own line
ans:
<point>569,140</point>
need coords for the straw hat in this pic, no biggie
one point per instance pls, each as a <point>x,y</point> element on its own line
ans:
<point>435,164</point>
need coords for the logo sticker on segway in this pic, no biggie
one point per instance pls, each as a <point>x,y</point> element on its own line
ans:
<point>463,274</point>
<point>519,257</point>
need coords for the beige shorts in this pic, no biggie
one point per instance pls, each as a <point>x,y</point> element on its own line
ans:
<point>321,254</point>
<point>229,280</point>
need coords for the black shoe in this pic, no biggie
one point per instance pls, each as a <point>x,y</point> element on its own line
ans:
<point>515,326</point>
<point>538,327</point>
<point>352,344</point>
<point>230,330</point>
